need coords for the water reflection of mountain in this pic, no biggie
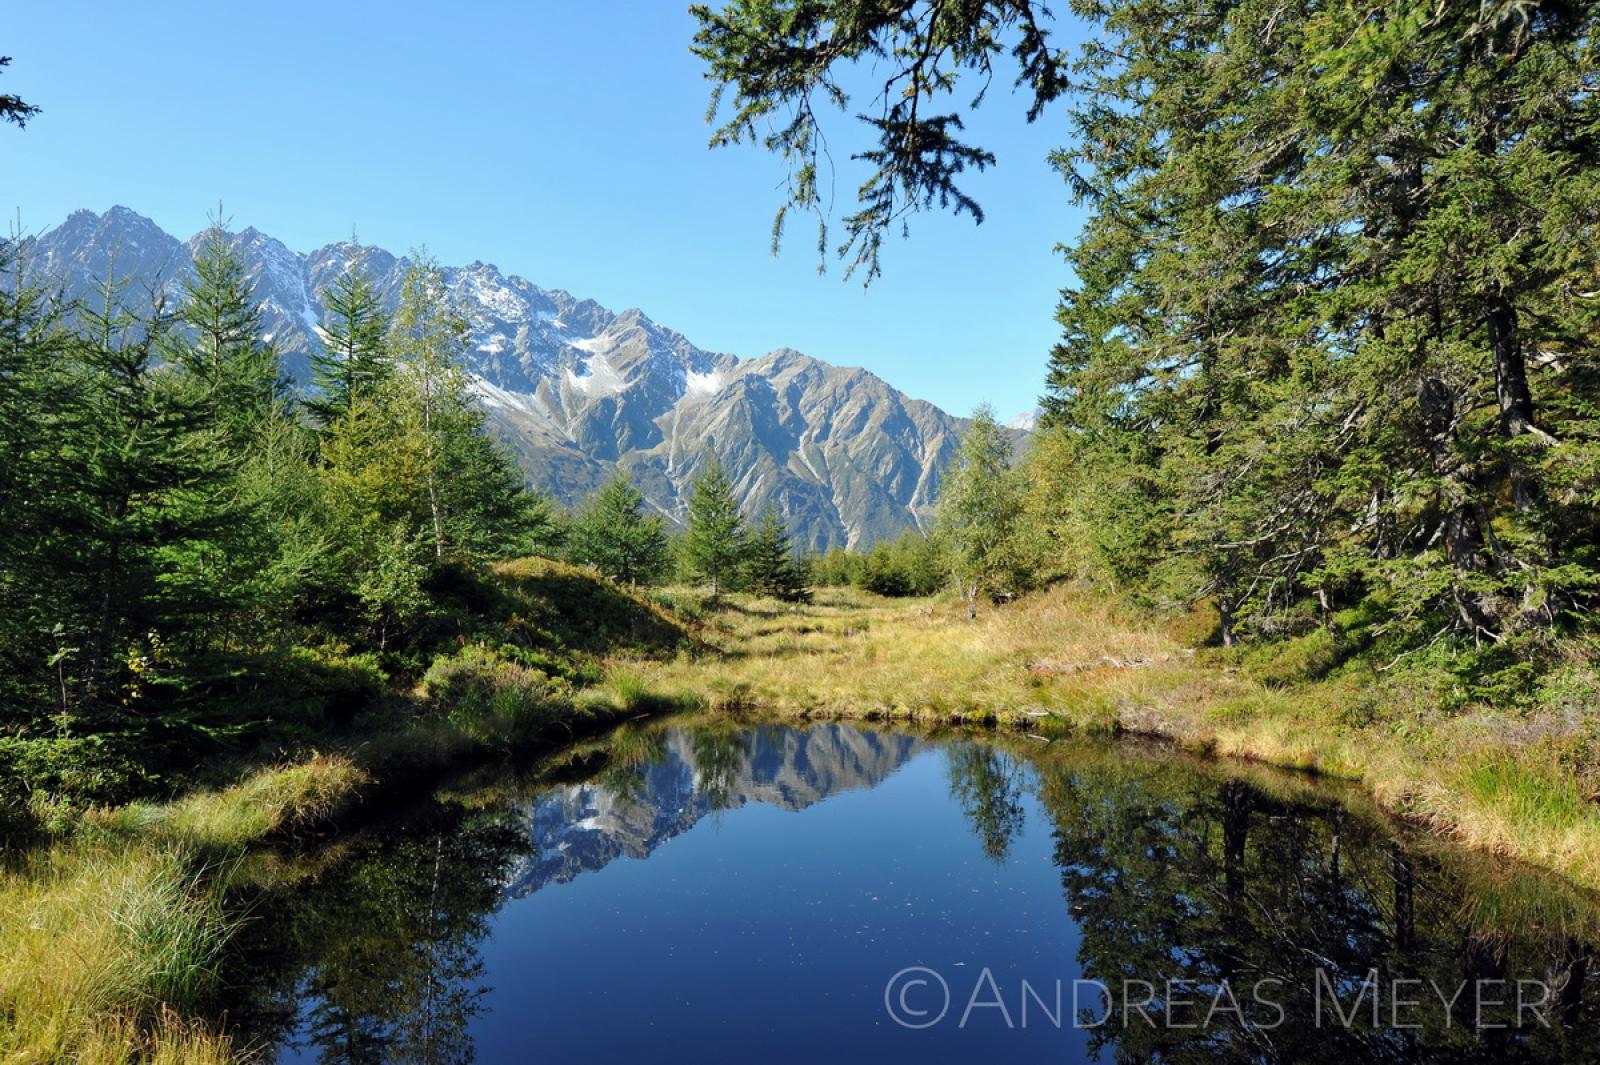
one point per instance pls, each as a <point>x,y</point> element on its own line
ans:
<point>581,827</point>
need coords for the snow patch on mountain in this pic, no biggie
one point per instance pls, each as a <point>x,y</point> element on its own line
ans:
<point>702,384</point>
<point>494,397</point>
<point>1027,421</point>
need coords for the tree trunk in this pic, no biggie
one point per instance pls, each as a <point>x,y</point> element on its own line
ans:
<point>1569,969</point>
<point>438,519</point>
<point>1512,393</point>
<point>1236,804</point>
<point>1225,622</point>
<point>1463,539</point>
<point>1510,369</point>
<point>1405,897</point>
<point>105,619</point>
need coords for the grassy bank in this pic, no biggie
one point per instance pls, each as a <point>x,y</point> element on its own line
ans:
<point>112,917</point>
<point>109,936</point>
<point>1519,781</point>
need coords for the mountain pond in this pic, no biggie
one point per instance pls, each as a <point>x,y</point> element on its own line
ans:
<point>684,891</point>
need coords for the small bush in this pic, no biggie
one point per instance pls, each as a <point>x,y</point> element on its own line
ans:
<point>488,696</point>
<point>105,767</point>
<point>338,683</point>
<point>1296,660</point>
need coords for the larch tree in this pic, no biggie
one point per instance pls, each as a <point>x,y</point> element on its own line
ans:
<point>980,514</point>
<point>428,338</point>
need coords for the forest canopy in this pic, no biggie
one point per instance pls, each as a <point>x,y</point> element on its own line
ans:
<point>1327,351</point>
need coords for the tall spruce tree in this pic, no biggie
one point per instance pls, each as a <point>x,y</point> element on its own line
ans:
<point>714,543</point>
<point>491,512</point>
<point>237,380</point>
<point>139,539</point>
<point>221,343</point>
<point>771,566</point>
<point>353,359</point>
<point>612,532</point>
<point>36,403</point>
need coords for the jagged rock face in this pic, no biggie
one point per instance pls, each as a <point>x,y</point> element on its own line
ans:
<point>578,828</point>
<point>576,390</point>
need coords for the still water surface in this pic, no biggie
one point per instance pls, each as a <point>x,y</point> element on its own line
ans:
<point>692,893</point>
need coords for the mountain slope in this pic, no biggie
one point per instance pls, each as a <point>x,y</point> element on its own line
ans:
<point>576,390</point>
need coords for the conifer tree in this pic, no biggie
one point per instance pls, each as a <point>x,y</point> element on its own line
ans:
<point>911,564</point>
<point>612,532</point>
<point>143,530</point>
<point>353,360</point>
<point>771,566</point>
<point>235,378</point>
<point>490,510</point>
<point>373,473</point>
<point>221,345</point>
<point>14,108</point>
<point>714,543</point>
<point>35,402</point>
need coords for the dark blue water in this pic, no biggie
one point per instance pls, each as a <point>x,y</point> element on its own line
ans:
<point>840,894</point>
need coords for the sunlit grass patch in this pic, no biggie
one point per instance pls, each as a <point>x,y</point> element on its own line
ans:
<point>269,800</point>
<point>97,945</point>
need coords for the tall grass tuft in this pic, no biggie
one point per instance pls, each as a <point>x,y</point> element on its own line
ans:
<point>97,946</point>
<point>268,801</point>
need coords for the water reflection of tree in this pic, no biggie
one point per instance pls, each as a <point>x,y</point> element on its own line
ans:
<point>630,752</point>
<point>719,757</point>
<point>386,944</point>
<point>988,785</point>
<point>1171,874</point>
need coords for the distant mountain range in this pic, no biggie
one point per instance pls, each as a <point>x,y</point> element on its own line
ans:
<point>577,390</point>
<point>579,828</point>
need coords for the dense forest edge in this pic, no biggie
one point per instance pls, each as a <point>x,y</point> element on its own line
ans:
<point>1317,483</point>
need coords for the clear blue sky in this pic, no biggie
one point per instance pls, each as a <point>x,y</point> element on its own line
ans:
<point>561,141</point>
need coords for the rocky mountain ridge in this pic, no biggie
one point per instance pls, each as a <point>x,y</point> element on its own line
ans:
<point>579,828</point>
<point>577,390</point>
